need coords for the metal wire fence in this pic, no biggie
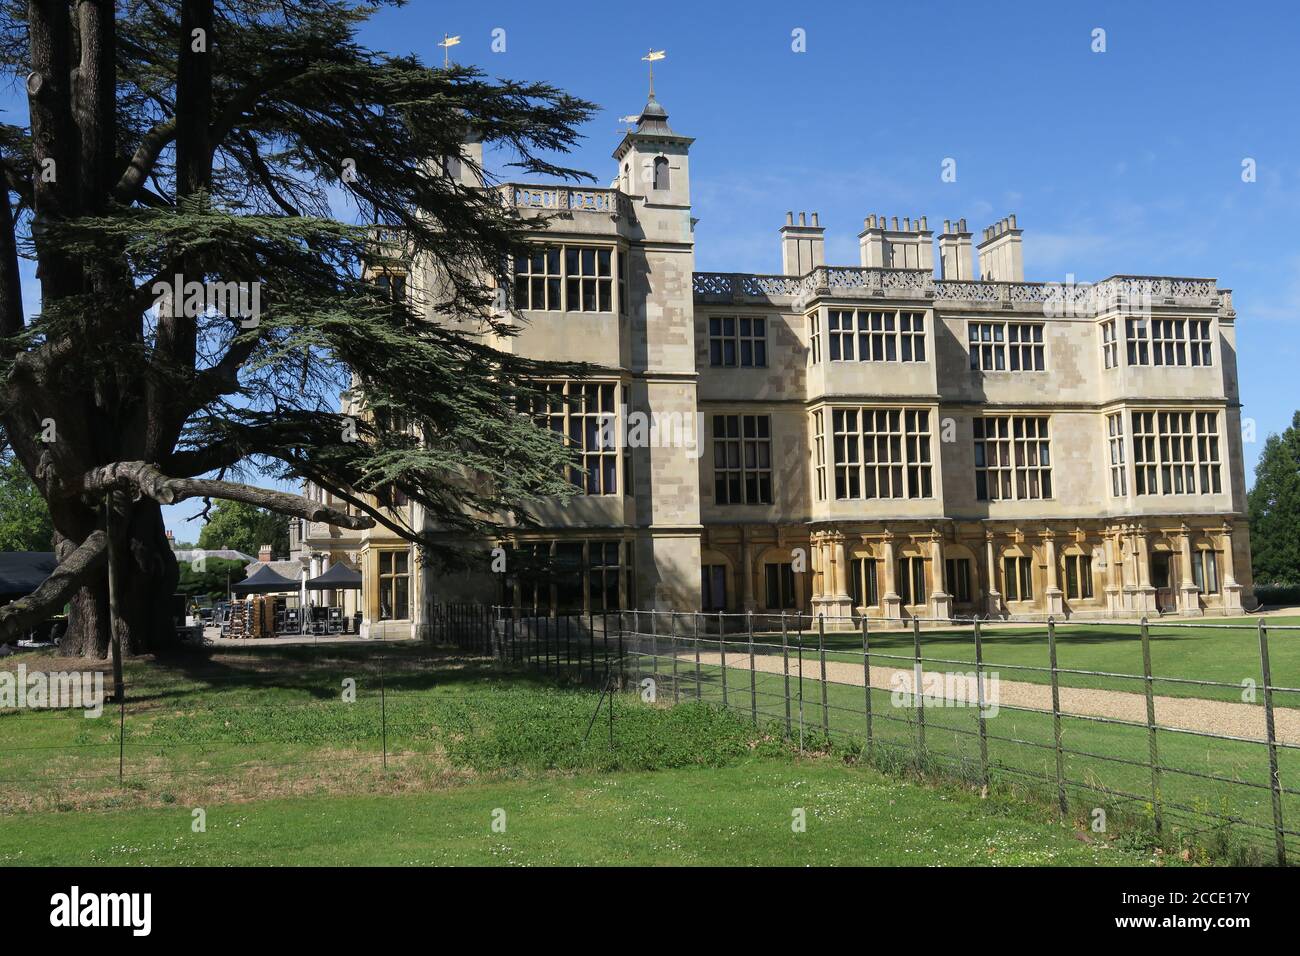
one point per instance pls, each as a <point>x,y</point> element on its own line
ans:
<point>1074,711</point>
<point>320,714</point>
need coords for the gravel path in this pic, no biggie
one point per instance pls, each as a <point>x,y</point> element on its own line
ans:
<point>1183,713</point>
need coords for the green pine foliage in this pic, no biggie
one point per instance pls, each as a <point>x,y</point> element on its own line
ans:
<point>1274,509</point>
<point>24,517</point>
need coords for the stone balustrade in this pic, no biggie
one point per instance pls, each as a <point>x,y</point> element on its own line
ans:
<point>564,199</point>
<point>1065,299</point>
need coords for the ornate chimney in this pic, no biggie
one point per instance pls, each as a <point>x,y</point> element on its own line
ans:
<point>803,246</point>
<point>1001,258</point>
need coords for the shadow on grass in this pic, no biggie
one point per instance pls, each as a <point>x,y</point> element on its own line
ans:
<point>195,673</point>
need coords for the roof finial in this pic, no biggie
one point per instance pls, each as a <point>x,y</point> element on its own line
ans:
<point>650,58</point>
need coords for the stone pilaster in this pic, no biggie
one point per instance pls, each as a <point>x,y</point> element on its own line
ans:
<point>1189,603</point>
<point>993,596</point>
<point>1054,600</point>
<point>940,600</point>
<point>839,605</point>
<point>1144,595</point>
<point>1114,597</point>
<point>747,600</point>
<point>890,603</point>
<point>1231,589</point>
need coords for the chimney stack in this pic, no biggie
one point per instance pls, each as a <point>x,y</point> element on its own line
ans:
<point>884,245</point>
<point>955,260</point>
<point>264,554</point>
<point>803,246</point>
<point>1000,253</point>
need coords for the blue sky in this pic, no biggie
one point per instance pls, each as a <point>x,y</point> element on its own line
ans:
<point>1127,161</point>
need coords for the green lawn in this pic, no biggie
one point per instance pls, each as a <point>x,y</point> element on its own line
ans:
<point>1209,654</point>
<point>288,771</point>
<point>737,814</point>
<point>1106,771</point>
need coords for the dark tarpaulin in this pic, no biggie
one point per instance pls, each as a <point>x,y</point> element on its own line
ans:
<point>21,572</point>
<point>265,580</point>
<point>338,577</point>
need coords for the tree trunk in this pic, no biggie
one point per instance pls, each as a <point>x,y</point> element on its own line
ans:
<point>147,576</point>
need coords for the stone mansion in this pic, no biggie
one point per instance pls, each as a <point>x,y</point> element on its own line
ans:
<point>922,434</point>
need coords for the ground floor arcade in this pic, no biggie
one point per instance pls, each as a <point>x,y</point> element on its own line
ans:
<point>1005,570</point>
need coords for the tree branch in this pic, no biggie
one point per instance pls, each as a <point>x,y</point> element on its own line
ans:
<point>11,293</point>
<point>142,478</point>
<point>142,162</point>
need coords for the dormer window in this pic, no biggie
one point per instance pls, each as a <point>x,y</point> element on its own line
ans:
<point>661,172</point>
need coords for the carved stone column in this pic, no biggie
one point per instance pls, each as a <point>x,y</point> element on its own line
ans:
<point>1114,601</point>
<point>1189,603</point>
<point>993,596</point>
<point>1145,595</point>
<point>890,603</point>
<point>940,600</point>
<point>1054,603</point>
<point>1231,589</point>
<point>840,556</point>
<point>839,605</point>
<point>747,602</point>
<point>824,599</point>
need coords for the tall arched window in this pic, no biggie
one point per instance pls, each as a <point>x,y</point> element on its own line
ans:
<point>661,172</point>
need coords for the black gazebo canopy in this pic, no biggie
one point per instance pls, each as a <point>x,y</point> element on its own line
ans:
<point>338,577</point>
<point>265,581</point>
<point>21,572</point>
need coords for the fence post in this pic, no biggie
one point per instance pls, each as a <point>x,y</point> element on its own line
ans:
<point>121,735</point>
<point>866,684</point>
<point>753,674</point>
<point>798,632</point>
<point>1148,691</point>
<point>699,686</point>
<point>604,636</point>
<point>568,646</point>
<point>383,711</point>
<point>785,667</point>
<point>1274,779</point>
<point>979,712</point>
<point>1056,718</point>
<point>654,648</point>
<point>672,643</point>
<point>821,654</point>
<point>918,699</point>
<point>722,656</point>
<point>622,661</point>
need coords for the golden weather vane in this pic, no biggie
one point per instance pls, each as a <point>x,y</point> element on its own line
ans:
<point>650,58</point>
<point>447,43</point>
